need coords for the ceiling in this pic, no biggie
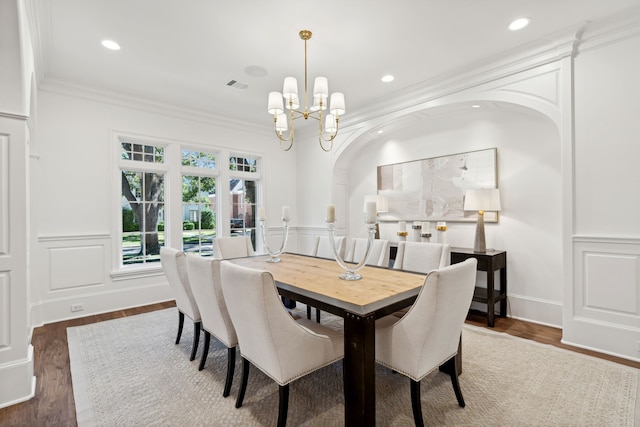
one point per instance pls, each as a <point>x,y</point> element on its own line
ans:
<point>183,53</point>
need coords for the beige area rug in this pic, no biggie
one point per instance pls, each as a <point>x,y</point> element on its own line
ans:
<point>128,372</point>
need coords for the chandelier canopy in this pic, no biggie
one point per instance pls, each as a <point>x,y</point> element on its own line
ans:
<point>290,100</point>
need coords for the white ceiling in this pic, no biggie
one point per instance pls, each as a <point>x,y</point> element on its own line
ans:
<point>183,53</point>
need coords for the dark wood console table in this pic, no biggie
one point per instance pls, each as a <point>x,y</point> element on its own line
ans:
<point>490,262</point>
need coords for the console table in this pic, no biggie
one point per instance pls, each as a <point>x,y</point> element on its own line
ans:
<point>490,262</point>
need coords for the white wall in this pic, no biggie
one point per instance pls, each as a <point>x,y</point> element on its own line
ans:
<point>74,183</point>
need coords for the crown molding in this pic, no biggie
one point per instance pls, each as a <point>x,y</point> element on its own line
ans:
<point>66,88</point>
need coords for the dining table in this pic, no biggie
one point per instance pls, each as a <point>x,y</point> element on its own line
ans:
<point>380,292</point>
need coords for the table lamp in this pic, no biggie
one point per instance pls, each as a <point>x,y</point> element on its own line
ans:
<point>481,201</point>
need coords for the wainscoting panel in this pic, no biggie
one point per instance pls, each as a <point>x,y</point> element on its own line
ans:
<point>607,276</point>
<point>604,311</point>
<point>620,292</point>
<point>5,311</point>
<point>4,195</point>
<point>71,267</point>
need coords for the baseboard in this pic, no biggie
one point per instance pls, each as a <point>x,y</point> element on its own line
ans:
<point>18,381</point>
<point>59,309</point>
<point>534,310</point>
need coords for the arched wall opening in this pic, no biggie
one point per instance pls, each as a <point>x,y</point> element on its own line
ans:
<point>528,143</point>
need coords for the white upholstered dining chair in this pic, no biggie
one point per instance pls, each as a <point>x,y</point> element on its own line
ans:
<point>422,257</point>
<point>269,338</point>
<point>204,277</point>
<point>379,251</point>
<point>322,249</point>
<point>174,264</point>
<point>232,247</point>
<point>428,336</point>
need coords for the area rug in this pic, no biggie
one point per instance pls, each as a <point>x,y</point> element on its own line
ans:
<point>129,372</point>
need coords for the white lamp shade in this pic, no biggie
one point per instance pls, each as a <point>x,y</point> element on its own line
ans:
<point>292,103</point>
<point>316,104</point>
<point>321,88</point>
<point>290,87</point>
<point>330,124</point>
<point>281,122</point>
<point>337,104</point>
<point>482,200</point>
<point>275,103</point>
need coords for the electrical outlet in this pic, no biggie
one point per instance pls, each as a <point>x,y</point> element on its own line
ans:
<point>76,307</point>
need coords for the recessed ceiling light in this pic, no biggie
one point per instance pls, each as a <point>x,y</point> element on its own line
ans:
<point>388,78</point>
<point>519,24</point>
<point>475,106</point>
<point>110,44</point>
<point>380,131</point>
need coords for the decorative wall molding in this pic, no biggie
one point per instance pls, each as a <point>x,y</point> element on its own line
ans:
<point>4,195</point>
<point>5,310</point>
<point>73,237</point>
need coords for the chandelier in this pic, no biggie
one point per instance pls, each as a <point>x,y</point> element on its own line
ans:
<point>289,99</point>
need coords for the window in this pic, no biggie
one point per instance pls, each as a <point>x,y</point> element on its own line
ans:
<point>243,164</point>
<point>167,195</point>
<point>198,201</point>
<point>198,207</point>
<point>142,204</point>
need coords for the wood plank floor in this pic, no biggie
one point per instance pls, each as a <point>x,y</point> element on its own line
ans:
<point>53,404</point>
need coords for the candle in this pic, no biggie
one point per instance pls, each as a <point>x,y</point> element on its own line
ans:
<point>371,212</point>
<point>441,226</point>
<point>402,226</point>
<point>426,226</point>
<point>331,213</point>
<point>286,213</point>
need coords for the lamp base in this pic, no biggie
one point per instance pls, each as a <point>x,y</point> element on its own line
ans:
<point>479,245</point>
<point>350,275</point>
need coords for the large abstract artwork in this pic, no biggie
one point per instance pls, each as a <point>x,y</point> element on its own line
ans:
<point>433,189</point>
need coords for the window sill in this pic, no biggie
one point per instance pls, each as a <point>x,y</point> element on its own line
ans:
<point>136,273</point>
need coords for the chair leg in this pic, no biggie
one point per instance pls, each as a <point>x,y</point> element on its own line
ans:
<point>318,315</point>
<point>180,325</point>
<point>416,405</point>
<point>243,384</point>
<point>308,312</point>
<point>231,365</point>
<point>205,350</point>
<point>450,368</point>
<point>283,405</point>
<point>196,339</point>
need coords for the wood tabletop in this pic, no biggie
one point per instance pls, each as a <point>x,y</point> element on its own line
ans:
<point>320,276</point>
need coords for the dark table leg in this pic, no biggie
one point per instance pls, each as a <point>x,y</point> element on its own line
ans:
<point>491,302</point>
<point>503,290</point>
<point>359,370</point>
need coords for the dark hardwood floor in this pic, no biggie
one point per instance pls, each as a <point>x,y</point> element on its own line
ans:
<point>53,404</point>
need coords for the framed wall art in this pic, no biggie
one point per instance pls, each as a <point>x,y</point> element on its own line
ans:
<point>433,189</point>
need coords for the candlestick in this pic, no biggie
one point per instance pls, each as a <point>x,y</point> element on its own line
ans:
<point>262,216</point>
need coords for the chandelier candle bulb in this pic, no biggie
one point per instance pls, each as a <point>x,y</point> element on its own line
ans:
<point>286,213</point>
<point>426,227</point>
<point>262,216</point>
<point>371,212</point>
<point>402,226</point>
<point>331,213</point>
